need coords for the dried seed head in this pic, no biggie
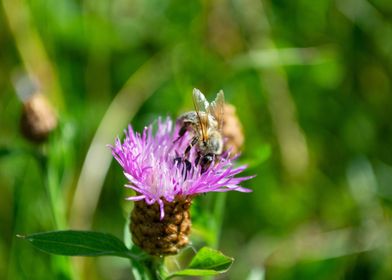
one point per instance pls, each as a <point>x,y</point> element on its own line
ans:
<point>161,237</point>
<point>38,118</point>
<point>232,130</point>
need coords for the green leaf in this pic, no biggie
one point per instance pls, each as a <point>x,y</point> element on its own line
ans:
<point>193,272</point>
<point>206,262</point>
<point>208,258</point>
<point>79,243</point>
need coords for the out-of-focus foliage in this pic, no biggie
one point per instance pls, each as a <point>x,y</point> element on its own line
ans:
<point>311,81</point>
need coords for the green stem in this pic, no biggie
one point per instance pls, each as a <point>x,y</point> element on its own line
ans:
<point>160,268</point>
<point>219,210</point>
<point>156,267</point>
<point>152,268</point>
<point>48,173</point>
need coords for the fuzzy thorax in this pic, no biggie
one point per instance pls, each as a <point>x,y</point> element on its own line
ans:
<point>161,237</point>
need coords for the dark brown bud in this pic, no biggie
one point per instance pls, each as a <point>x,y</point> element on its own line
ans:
<point>38,118</point>
<point>232,130</point>
<point>161,237</point>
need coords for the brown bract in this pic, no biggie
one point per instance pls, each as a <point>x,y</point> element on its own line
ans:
<point>38,118</point>
<point>161,237</point>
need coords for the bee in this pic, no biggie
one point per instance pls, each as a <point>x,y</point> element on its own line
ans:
<point>205,126</point>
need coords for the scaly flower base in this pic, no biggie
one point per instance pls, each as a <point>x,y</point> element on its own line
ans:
<point>161,237</point>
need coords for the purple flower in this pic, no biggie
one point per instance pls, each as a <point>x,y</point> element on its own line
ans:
<point>156,169</point>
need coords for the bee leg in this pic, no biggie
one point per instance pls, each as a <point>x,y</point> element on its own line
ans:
<point>184,164</point>
<point>186,168</point>
<point>197,160</point>
<point>188,165</point>
<point>177,161</point>
<point>188,149</point>
<point>181,132</point>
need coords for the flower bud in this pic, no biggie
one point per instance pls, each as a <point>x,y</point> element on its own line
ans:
<point>38,118</point>
<point>160,237</point>
<point>232,130</point>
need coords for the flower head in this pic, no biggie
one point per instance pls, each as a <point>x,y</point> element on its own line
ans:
<point>153,163</point>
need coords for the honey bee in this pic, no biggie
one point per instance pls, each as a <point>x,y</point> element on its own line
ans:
<point>205,126</point>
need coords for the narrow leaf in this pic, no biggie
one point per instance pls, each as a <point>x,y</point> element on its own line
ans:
<point>193,272</point>
<point>206,262</point>
<point>79,243</point>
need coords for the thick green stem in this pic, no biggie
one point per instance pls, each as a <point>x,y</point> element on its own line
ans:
<point>152,268</point>
<point>50,182</point>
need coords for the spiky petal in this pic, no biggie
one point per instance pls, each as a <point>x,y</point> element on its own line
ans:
<point>152,163</point>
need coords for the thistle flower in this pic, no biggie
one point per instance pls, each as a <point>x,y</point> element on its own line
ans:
<point>165,183</point>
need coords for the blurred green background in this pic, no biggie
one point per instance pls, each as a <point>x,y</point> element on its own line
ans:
<point>311,81</point>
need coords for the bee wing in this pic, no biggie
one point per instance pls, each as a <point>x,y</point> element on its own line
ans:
<point>216,108</point>
<point>201,105</point>
<point>199,100</point>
